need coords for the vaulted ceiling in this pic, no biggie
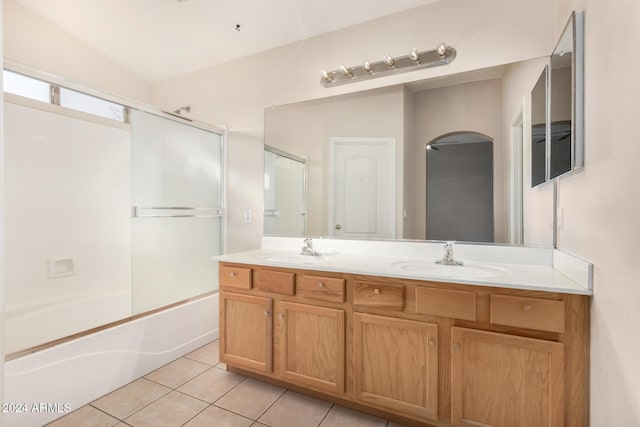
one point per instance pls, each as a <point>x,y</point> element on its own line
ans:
<point>158,39</point>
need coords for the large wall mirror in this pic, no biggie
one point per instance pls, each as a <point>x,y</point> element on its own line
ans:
<point>413,161</point>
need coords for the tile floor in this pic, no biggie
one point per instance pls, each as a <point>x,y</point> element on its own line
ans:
<point>197,391</point>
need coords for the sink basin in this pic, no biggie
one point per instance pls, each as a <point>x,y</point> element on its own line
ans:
<point>298,259</point>
<point>430,268</point>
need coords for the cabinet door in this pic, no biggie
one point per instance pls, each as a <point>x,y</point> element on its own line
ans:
<point>312,346</point>
<point>246,331</point>
<point>396,365</point>
<point>501,380</point>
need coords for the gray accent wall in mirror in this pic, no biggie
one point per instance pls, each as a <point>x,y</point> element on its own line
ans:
<point>406,119</point>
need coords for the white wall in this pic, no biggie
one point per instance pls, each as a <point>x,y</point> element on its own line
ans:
<point>602,204</point>
<point>34,42</point>
<point>484,32</point>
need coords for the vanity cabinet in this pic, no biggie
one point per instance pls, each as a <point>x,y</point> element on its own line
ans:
<point>246,331</point>
<point>502,380</point>
<point>396,365</point>
<point>422,353</point>
<point>312,346</point>
<point>279,324</point>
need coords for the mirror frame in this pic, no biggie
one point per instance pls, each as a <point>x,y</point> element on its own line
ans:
<point>576,26</point>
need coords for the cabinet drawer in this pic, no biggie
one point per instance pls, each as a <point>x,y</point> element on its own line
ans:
<point>235,277</point>
<point>274,281</point>
<point>446,303</point>
<point>322,288</point>
<point>529,313</point>
<point>379,296</point>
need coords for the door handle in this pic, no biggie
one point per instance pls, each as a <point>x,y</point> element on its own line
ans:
<point>338,226</point>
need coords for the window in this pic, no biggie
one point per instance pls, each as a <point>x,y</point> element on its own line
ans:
<point>26,86</point>
<point>42,91</point>
<point>92,105</point>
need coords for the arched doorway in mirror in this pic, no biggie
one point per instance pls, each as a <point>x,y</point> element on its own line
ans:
<point>460,187</point>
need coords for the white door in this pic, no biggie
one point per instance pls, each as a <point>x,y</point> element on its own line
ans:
<point>362,188</point>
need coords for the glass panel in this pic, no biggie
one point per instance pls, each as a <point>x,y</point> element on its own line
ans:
<point>172,260</point>
<point>92,105</point>
<point>173,166</point>
<point>561,90</point>
<point>26,86</point>
<point>284,196</point>
<point>539,130</point>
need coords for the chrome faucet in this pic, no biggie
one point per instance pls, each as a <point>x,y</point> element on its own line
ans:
<point>447,258</point>
<point>307,248</point>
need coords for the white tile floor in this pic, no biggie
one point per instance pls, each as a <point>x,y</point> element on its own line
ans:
<point>197,391</point>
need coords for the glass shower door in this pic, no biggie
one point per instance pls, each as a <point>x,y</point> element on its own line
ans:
<point>176,198</point>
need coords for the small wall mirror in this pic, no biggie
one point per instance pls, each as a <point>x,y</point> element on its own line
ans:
<point>566,93</point>
<point>557,108</point>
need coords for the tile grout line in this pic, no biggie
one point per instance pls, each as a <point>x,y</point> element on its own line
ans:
<point>270,406</point>
<point>327,414</point>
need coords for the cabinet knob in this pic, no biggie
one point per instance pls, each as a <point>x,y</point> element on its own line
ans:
<point>432,343</point>
<point>456,347</point>
<point>266,313</point>
<point>232,274</point>
<point>376,291</point>
<point>280,316</point>
<point>527,307</point>
<point>321,285</point>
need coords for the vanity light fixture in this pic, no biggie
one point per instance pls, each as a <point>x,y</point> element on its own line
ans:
<point>327,77</point>
<point>346,72</point>
<point>415,56</point>
<point>366,65</point>
<point>441,55</point>
<point>390,62</point>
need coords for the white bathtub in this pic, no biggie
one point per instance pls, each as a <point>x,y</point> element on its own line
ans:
<point>77,372</point>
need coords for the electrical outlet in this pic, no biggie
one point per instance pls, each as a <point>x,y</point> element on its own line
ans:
<point>248,217</point>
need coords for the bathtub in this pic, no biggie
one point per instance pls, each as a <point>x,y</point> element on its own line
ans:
<point>46,385</point>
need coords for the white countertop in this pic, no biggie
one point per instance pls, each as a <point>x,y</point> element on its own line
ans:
<point>532,276</point>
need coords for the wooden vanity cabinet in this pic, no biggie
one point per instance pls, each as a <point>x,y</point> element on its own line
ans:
<point>277,325</point>
<point>396,365</point>
<point>246,331</point>
<point>502,380</point>
<point>312,346</point>
<point>434,354</point>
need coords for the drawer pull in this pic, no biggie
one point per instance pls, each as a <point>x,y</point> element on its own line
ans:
<point>280,316</point>
<point>266,313</point>
<point>321,285</point>
<point>527,307</point>
<point>376,291</point>
<point>456,347</point>
<point>232,274</point>
<point>431,343</point>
